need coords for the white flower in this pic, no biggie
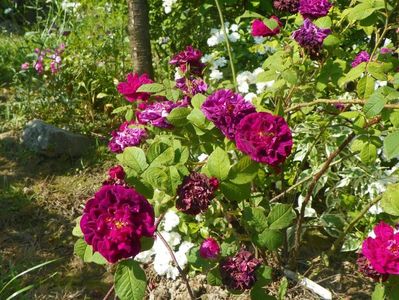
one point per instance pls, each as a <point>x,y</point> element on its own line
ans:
<point>257,71</point>
<point>178,74</point>
<point>259,40</point>
<point>234,37</point>
<point>261,86</point>
<point>171,220</point>
<point>244,79</point>
<point>216,75</point>
<point>249,97</point>
<point>185,247</point>
<point>145,257</point>
<point>387,42</point>
<point>167,5</point>
<point>379,83</point>
<point>234,27</point>
<point>220,62</point>
<point>309,211</point>
<point>202,157</point>
<point>206,58</point>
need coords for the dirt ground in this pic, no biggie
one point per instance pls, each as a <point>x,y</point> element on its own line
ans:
<point>39,201</point>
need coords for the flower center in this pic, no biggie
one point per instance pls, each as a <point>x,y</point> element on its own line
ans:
<point>393,247</point>
<point>265,134</point>
<point>119,224</point>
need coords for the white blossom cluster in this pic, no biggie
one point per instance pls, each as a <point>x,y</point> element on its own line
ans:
<point>215,62</point>
<point>217,35</point>
<point>163,263</point>
<point>246,79</point>
<point>69,6</point>
<point>167,5</point>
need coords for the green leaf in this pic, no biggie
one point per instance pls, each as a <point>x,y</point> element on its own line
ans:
<point>248,14</point>
<point>376,70</point>
<point>331,40</point>
<point>391,145</point>
<point>390,200</point>
<point>282,290</point>
<point>197,118</point>
<point>394,118</point>
<point>244,171</point>
<point>178,116</point>
<point>270,23</point>
<point>151,88</point>
<point>379,292</point>
<point>219,164</point>
<point>174,180</point>
<point>255,218</point>
<point>323,22</point>
<point>77,231</point>
<point>197,100</point>
<point>101,95</point>
<point>146,243</point>
<point>235,192</point>
<point>165,158</point>
<point>360,12</point>
<point>365,87</point>
<point>374,104</point>
<point>143,188</point>
<point>281,216</point>
<point>264,275</point>
<point>134,158</point>
<point>354,73</point>
<point>130,280</point>
<point>368,154</point>
<point>214,278</point>
<point>260,293</point>
<point>270,239</point>
<point>157,178</point>
<point>85,252</point>
<point>290,76</point>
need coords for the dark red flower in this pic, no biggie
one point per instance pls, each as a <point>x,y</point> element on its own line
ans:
<point>190,59</point>
<point>287,5</point>
<point>116,175</point>
<point>195,193</point>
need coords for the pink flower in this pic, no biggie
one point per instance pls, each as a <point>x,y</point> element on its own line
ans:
<point>259,28</point>
<point>39,67</point>
<point>115,220</point>
<point>129,88</point>
<point>366,269</point>
<point>363,56</point>
<point>129,134</point>
<point>314,9</point>
<point>25,66</point>
<point>190,59</point>
<point>116,175</point>
<point>383,251</point>
<point>209,249</point>
<point>265,138</point>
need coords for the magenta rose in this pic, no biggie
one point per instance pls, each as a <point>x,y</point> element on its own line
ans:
<point>259,28</point>
<point>314,9</point>
<point>116,175</point>
<point>363,56</point>
<point>190,59</point>
<point>209,249</point>
<point>367,269</point>
<point>115,220</point>
<point>129,88</point>
<point>155,114</point>
<point>265,138</point>
<point>382,251</point>
<point>129,134</point>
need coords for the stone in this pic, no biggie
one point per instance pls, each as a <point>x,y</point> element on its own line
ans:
<point>51,141</point>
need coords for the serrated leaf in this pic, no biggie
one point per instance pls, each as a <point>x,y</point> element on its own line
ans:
<point>151,88</point>
<point>219,164</point>
<point>197,118</point>
<point>391,145</point>
<point>134,158</point>
<point>157,178</point>
<point>368,154</point>
<point>235,192</point>
<point>165,158</point>
<point>281,216</point>
<point>214,278</point>
<point>130,280</point>
<point>255,218</point>
<point>360,12</point>
<point>270,239</point>
<point>354,73</point>
<point>374,104</point>
<point>390,200</point>
<point>244,171</point>
<point>178,116</point>
<point>365,87</point>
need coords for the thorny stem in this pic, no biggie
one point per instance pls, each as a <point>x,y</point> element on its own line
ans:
<point>335,101</point>
<point>339,241</point>
<point>109,292</point>
<point>226,38</point>
<point>312,185</point>
<point>182,273</point>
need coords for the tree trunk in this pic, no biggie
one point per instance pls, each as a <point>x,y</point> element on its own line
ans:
<point>139,35</point>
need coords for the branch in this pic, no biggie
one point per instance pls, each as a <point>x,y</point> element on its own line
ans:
<point>339,241</point>
<point>183,275</point>
<point>312,185</point>
<point>109,292</point>
<point>335,101</point>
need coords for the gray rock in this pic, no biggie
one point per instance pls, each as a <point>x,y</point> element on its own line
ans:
<point>52,141</point>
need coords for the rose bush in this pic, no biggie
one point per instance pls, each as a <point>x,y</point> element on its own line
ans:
<point>251,161</point>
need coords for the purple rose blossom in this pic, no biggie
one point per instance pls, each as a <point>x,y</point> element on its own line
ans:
<point>116,175</point>
<point>190,59</point>
<point>226,109</point>
<point>383,251</point>
<point>191,86</point>
<point>115,220</point>
<point>195,193</point>
<point>129,88</point>
<point>363,56</point>
<point>287,5</point>
<point>259,28</point>
<point>366,269</point>
<point>311,37</point>
<point>129,134</point>
<point>155,114</point>
<point>209,249</point>
<point>265,138</point>
<point>386,51</point>
<point>314,9</point>
<point>238,272</point>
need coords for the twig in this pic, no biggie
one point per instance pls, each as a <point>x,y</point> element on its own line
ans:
<point>339,241</point>
<point>109,292</point>
<point>226,38</point>
<point>335,101</point>
<point>159,220</point>
<point>312,185</point>
<point>182,273</point>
